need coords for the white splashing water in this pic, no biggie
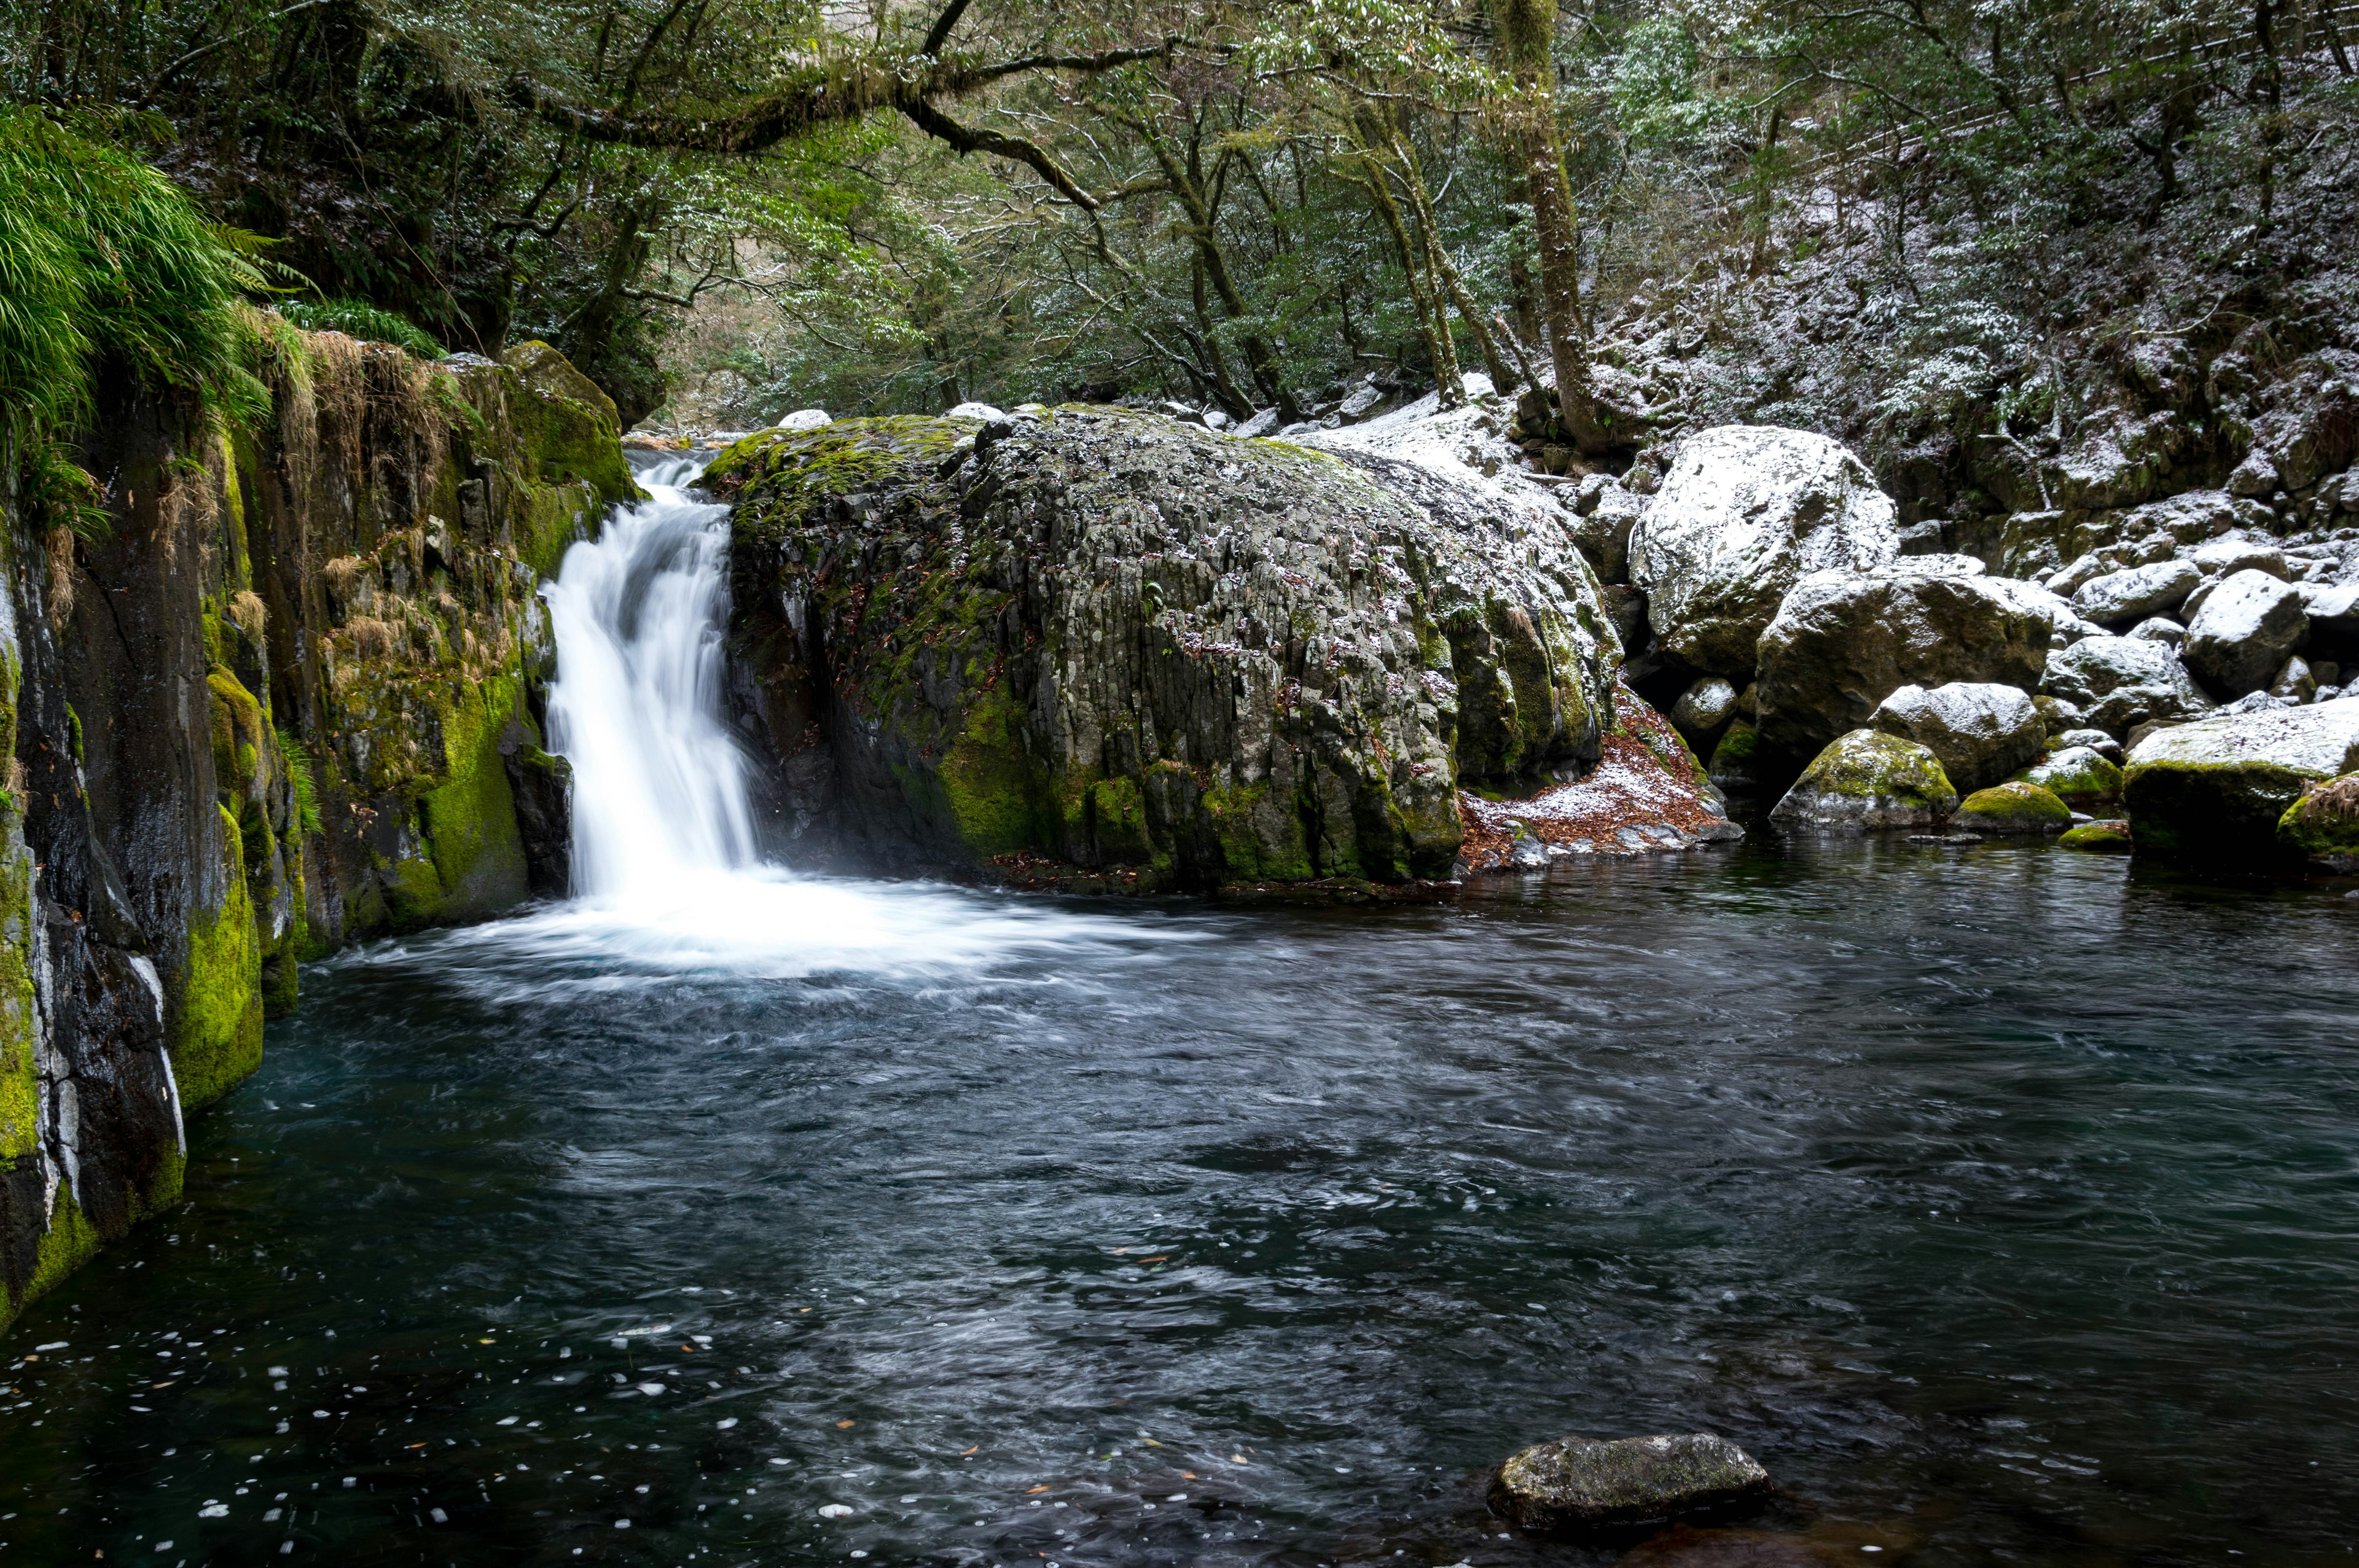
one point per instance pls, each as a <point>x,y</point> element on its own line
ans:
<point>668,874</point>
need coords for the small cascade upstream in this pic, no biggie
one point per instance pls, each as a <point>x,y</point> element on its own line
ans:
<point>668,873</point>
<point>659,784</point>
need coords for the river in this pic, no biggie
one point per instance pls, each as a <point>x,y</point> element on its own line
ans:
<point>2002,1201</point>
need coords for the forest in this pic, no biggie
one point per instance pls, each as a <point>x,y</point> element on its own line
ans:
<point>1897,222</point>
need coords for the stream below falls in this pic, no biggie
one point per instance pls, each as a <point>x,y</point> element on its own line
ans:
<point>2002,1201</point>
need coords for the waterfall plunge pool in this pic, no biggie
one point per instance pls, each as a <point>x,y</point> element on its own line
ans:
<point>2003,1202</point>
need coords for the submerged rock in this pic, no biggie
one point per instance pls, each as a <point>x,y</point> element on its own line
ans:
<point>1867,779</point>
<point>2217,789</point>
<point>1126,646</point>
<point>2013,808</point>
<point>1580,1483</point>
<point>1843,641</point>
<point>1743,514</point>
<point>1981,730</point>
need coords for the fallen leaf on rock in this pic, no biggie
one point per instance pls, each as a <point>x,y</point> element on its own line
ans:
<point>842,1424</point>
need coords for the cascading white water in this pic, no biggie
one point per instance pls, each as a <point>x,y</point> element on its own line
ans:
<point>667,874</point>
<point>659,784</point>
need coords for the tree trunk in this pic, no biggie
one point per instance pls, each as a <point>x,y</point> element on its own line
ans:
<point>1525,47</point>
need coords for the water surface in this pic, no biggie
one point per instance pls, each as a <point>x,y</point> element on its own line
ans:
<point>2003,1202</point>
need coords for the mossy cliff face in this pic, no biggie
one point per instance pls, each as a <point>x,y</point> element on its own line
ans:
<point>1145,653</point>
<point>270,707</point>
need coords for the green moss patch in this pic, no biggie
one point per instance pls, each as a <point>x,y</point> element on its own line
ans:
<point>2014,808</point>
<point>2111,837</point>
<point>217,1014</point>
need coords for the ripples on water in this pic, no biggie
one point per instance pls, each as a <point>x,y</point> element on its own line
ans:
<point>2003,1202</point>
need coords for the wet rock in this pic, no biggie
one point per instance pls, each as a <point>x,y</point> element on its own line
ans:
<point>2014,808</point>
<point>1841,642</point>
<point>1981,732</point>
<point>2241,636</point>
<point>2078,777</point>
<point>2120,682</point>
<point>1702,710</point>
<point>2127,595</point>
<point>1868,780</point>
<point>1743,514</point>
<point>1732,768</point>
<point>2294,682</point>
<point>2110,837</point>
<point>1584,1484</point>
<point>2217,788</point>
<point>2323,825</point>
<point>1108,639</point>
<point>2096,740</point>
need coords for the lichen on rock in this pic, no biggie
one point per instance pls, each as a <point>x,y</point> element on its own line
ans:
<point>1115,642</point>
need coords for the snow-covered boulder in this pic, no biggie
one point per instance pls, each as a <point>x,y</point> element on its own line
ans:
<point>1843,641</point>
<point>1745,513</point>
<point>2240,637</point>
<point>1981,732</point>
<point>2136,592</point>
<point>2118,682</point>
<point>2216,789</point>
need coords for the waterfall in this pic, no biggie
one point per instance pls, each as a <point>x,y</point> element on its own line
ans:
<point>659,797</point>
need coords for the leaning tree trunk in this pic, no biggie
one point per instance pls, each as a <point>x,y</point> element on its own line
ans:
<point>1526,38</point>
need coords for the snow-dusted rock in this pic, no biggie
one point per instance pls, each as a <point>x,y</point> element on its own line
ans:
<point>1867,780</point>
<point>2136,592</point>
<point>806,419</point>
<point>2160,629</point>
<point>1745,513</point>
<point>1981,732</point>
<point>1702,710</point>
<point>983,411</point>
<point>2241,635</point>
<point>2217,788</point>
<point>2235,553</point>
<point>2118,682</point>
<point>1841,642</point>
<point>1264,421</point>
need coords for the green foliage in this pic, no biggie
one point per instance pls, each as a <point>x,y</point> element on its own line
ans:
<point>358,318</point>
<point>299,773</point>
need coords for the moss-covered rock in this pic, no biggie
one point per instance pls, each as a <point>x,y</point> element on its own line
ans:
<point>2080,777</point>
<point>1111,640</point>
<point>1734,768</point>
<point>1867,779</point>
<point>2217,789</point>
<point>2111,837</point>
<point>2014,807</point>
<point>2322,827</point>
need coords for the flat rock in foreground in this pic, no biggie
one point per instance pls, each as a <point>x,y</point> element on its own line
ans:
<point>1578,1483</point>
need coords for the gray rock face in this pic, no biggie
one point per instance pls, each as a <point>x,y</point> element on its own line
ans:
<point>1843,641</point>
<point>1981,732</point>
<point>1746,512</point>
<point>2246,627</point>
<point>2118,682</point>
<point>2116,597</point>
<point>2214,789</point>
<point>2226,556</point>
<point>1584,1484</point>
<point>1128,647</point>
<point>1702,709</point>
<point>1867,780</point>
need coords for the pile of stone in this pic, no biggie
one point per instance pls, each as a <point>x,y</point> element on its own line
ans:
<point>2171,688</point>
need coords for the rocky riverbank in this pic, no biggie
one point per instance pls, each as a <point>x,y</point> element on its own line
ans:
<point>282,696</point>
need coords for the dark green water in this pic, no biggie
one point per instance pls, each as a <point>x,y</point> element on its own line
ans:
<point>2003,1203</point>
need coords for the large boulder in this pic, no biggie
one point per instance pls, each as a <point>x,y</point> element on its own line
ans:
<point>2136,592</point>
<point>1867,779</point>
<point>2116,683</point>
<point>2216,789</point>
<point>1981,730</point>
<point>1746,512</point>
<point>1117,649</point>
<point>1582,1483</point>
<point>2243,632</point>
<point>1843,641</point>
